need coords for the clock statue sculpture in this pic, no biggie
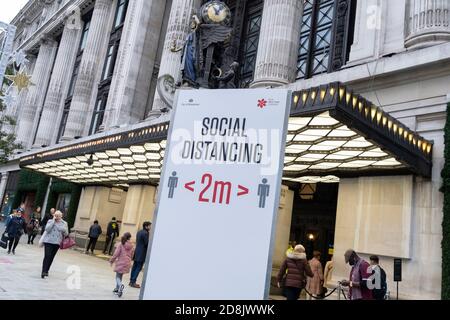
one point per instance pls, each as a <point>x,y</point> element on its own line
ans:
<point>203,53</point>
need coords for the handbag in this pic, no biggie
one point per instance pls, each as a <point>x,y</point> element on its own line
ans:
<point>67,243</point>
<point>4,241</point>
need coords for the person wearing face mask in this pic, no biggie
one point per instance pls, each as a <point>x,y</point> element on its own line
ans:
<point>359,277</point>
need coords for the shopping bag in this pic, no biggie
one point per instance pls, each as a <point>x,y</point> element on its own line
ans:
<point>4,241</point>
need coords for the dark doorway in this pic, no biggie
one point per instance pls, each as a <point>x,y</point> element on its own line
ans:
<point>314,218</point>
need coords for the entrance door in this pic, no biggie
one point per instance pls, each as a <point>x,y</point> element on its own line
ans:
<point>314,218</point>
<point>63,204</point>
<point>29,201</point>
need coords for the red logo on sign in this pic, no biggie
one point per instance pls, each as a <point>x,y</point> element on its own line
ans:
<point>262,103</point>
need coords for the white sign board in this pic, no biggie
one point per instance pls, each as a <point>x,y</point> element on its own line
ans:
<point>219,195</point>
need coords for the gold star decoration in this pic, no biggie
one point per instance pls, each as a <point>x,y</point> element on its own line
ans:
<point>21,80</point>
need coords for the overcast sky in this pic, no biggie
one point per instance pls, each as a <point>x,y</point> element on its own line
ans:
<point>10,8</point>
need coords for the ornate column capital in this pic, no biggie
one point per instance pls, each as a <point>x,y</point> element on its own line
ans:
<point>47,40</point>
<point>72,18</point>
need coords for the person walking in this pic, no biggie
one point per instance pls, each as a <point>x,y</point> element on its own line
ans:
<point>140,254</point>
<point>359,276</point>
<point>112,231</point>
<point>291,247</point>
<point>328,273</point>
<point>15,228</point>
<point>315,283</point>
<point>47,217</point>
<point>55,232</point>
<point>32,229</point>
<point>380,281</point>
<point>36,215</point>
<point>94,233</point>
<point>122,260</point>
<point>294,272</point>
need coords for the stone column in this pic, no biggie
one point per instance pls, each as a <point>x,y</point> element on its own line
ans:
<point>276,62</point>
<point>130,86</point>
<point>177,30</point>
<point>3,181</point>
<point>62,72</point>
<point>29,114</point>
<point>139,207</point>
<point>428,23</point>
<point>91,62</point>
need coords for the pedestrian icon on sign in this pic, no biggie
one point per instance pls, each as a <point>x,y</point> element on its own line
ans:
<point>263,193</point>
<point>173,184</point>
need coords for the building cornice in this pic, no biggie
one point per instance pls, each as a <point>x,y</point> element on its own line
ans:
<point>53,25</point>
<point>405,62</point>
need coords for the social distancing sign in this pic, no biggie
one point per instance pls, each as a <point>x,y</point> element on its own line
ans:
<point>218,196</point>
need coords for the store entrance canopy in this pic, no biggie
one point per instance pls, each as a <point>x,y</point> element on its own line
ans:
<point>333,133</point>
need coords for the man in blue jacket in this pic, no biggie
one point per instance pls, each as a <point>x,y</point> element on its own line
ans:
<point>94,233</point>
<point>140,253</point>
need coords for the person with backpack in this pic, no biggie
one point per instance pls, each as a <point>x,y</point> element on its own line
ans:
<point>379,281</point>
<point>294,272</point>
<point>32,230</point>
<point>112,231</point>
<point>122,260</point>
<point>359,277</point>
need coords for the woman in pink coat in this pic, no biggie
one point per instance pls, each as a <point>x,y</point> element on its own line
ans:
<point>122,258</point>
<point>315,283</point>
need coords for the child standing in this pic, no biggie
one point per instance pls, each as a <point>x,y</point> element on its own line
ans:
<point>122,258</point>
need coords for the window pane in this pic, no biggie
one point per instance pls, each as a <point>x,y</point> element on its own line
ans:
<point>107,71</point>
<point>98,116</point>
<point>73,81</point>
<point>120,13</point>
<point>85,35</point>
<point>315,37</point>
<point>62,127</point>
<point>250,41</point>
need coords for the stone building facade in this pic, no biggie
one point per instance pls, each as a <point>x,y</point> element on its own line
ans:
<point>95,66</point>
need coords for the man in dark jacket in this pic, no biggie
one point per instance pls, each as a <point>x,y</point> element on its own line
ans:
<point>15,229</point>
<point>112,231</point>
<point>94,232</point>
<point>140,254</point>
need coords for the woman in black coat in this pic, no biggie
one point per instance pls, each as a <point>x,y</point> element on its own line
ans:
<point>15,229</point>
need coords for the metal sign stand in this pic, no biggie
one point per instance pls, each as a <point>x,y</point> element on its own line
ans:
<point>397,272</point>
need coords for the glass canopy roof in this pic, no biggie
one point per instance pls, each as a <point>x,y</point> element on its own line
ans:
<point>332,134</point>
